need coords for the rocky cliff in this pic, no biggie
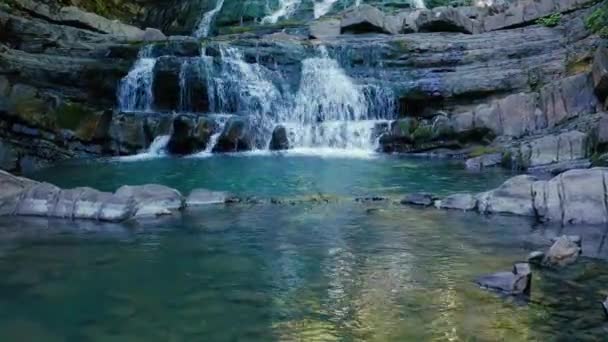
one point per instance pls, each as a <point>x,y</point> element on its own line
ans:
<point>504,77</point>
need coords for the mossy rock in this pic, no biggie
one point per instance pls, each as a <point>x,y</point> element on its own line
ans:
<point>423,133</point>
<point>32,111</point>
<point>70,115</point>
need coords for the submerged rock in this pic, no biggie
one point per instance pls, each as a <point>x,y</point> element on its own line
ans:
<point>563,252</point>
<point>422,199</point>
<point>203,197</point>
<point>458,201</point>
<point>483,161</point>
<point>516,282</point>
<point>153,199</point>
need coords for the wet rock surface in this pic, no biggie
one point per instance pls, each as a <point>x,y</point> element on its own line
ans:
<point>515,282</point>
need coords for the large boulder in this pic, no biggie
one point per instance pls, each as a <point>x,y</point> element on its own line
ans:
<point>600,72</point>
<point>364,19</point>
<point>235,137</point>
<point>153,199</point>
<point>445,19</point>
<point>279,140</point>
<point>573,197</point>
<point>563,252</point>
<point>190,134</point>
<point>91,204</point>
<point>513,197</point>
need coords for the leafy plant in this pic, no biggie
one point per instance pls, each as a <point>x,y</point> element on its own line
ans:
<point>597,22</point>
<point>551,20</point>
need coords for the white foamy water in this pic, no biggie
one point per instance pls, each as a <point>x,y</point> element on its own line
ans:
<point>323,7</point>
<point>285,10</point>
<point>203,27</point>
<point>156,150</point>
<point>418,4</point>
<point>135,92</point>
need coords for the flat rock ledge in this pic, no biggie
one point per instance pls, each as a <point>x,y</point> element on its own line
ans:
<point>574,197</point>
<point>25,197</point>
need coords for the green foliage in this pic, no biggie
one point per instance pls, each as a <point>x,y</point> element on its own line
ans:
<point>422,133</point>
<point>597,22</point>
<point>551,20</point>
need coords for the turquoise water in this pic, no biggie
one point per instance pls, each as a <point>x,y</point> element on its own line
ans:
<point>341,271</point>
<point>279,175</point>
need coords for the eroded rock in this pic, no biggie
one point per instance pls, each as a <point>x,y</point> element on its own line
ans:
<point>458,201</point>
<point>153,199</point>
<point>563,252</point>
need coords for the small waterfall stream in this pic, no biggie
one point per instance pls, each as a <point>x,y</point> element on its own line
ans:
<point>203,27</point>
<point>135,89</point>
<point>285,10</point>
<point>323,7</point>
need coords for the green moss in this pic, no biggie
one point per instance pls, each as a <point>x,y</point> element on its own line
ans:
<point>32,111</point>
<point>507,160</point>
<point>70,115</point>
<point>597,22</point>
<point>422,133</point>
<point>551,20</point>
<point>579,65</point>
<point>481,150</point>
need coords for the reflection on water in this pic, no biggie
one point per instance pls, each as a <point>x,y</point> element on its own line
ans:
<point>307,273</point>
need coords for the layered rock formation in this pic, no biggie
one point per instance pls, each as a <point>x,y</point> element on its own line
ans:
<point>573,197</point>
<point>460,76</point>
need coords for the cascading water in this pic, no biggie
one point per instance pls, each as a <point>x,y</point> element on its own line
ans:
<point>203,27</point>
<point>285,10</point>
<point>323,7</point>
<point>235,86</point>
<point>418,4</point>
<point>135,89</point>
<point>331,111</point>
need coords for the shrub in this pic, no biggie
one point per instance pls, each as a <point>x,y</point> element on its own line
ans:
<point>597,22</point>
<point>551,20</point>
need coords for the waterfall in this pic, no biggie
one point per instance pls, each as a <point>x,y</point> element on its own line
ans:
<point>204,25</point>
<point>235,86</point>
<point>135,90</point>
<point>156,149</point>
<point>418,4</point>
<point>286,9</point>
<point>331,111</point>
<point>321,8</point>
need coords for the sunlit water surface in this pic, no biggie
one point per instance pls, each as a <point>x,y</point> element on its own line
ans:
<point>342,271</point>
